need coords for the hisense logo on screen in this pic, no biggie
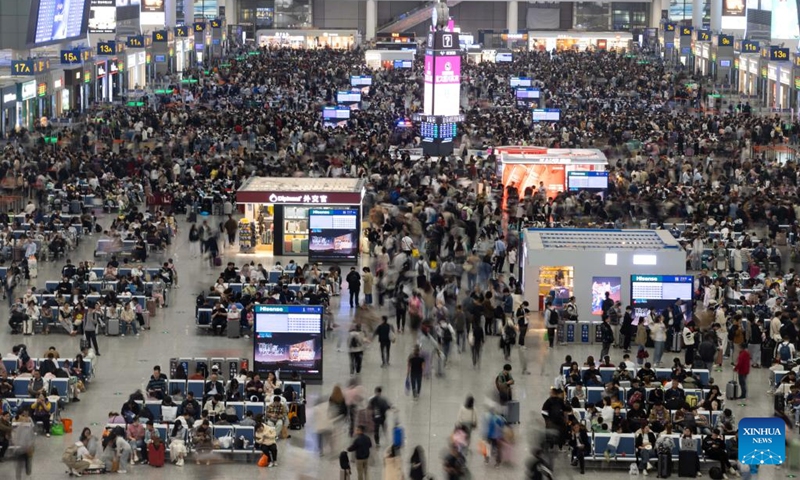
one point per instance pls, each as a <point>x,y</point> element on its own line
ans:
<point>762,441</point>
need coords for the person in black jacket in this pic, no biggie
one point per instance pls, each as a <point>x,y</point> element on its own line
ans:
<point>579,441</point>
<point>714,448</point>
<point>354,286</point>
<point>607,334</point>
<point>627,329</point>
<point>645,444</point>
<point>384,334</point>
<point>361,446</point>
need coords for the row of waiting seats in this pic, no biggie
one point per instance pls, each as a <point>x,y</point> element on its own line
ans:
<point>626,450</point>
<point>107,246</point>
<point>42,298</point>
<point>10,365</point>
<point>240,408</point>
<point>596,394</point>
<point>219,431</point>
<point>607,373</point>
<point>711,415</point>
<point>196,387</point>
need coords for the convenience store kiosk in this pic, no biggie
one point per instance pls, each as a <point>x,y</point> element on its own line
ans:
<point>277,210</point>
<point>530,167</point>
<point>586,263</point>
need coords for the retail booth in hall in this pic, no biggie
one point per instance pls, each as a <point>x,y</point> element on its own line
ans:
<point>560,263</point>
<point>555,169</point>
<point>318,218</point>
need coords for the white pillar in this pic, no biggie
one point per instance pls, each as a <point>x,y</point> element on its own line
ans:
<point>716,16</point>
<point>655,14</point>
<point>697,13</point>
<point>513,16</point>
<point>170,9</point>
<point>372,19</point>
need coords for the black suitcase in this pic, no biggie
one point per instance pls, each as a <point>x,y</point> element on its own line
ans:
<point>664,465</point>
<point>687,463</point>
<point>767,355</point>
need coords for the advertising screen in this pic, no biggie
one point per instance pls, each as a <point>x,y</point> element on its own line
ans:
<point>59,20</point>
<point>333,234</point>
<point>360,80</point>
<point>153,12</point>
<point>102,16</point>
<point>527,97</point>
<point>427,104</point>
<point>351,99</point>
<point>546,115</point>
<point>335,116</point>
<point>733,8</point>
<point>525,176</point>
<point>288,338</point>
<point>601,285</point>
<point>784,19</point>
<point>660,292</point>
<point>580,180</point>
<point>520,82</point>
<point>447,85</point>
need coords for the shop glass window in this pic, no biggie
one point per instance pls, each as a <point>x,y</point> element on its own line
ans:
<point>591,16</point>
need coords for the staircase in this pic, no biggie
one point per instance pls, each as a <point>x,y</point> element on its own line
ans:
<point>412,18</point>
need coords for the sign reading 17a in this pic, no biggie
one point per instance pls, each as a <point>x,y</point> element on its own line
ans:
<point>22,68</point>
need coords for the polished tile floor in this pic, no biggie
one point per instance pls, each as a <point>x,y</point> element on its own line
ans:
<point>126,364</point>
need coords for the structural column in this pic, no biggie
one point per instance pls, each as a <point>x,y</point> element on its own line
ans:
<point>372,19</point>
<point>655,14</point>
<point>697,13</point>
<point>716,16</point>
<point>513,16</point>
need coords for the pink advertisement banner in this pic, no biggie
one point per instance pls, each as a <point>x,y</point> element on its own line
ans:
<point>447,70</point>
<point>428,68</point>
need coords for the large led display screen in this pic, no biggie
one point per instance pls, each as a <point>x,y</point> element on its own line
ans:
<point>102,16</point>
<point>659,293</point>
<point>427,103</point>
<point>58,20</point>
<point>289,338</point>
<point>447,85</point>
<point>784,20</point>
<point>601,285</point>
<point>579,180</point>
<point>333,234</point>
<point>335,116</point>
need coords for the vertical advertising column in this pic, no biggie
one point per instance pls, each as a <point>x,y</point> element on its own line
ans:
<point>442,93</point>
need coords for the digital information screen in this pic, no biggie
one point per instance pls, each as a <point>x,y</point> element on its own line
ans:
<point>102,16</point>
<point>288,338</point>
<point>335,116</point>
<point>333,234</point>
<point>587,180</point>
<point>521,82</point>
<point>430,130</point>
<point>427,101</point>
<point>527,97</point>
<point>360,80</point>
<point>504,57</point>
<point>447,85</point>
<point>58,20</point>
<point>351,100</point>
<point>660,292</point>
<point>546,115</point>
<point>403,64</point>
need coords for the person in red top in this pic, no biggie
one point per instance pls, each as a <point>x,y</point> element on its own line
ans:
<point>743,369</point>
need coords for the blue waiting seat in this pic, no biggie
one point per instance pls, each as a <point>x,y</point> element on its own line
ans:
<point>177,387</point>
<point>238,408</point>
<point>195,387</point>
<point>10,364</point>
<point>203,317</point>
<point>220,431</point>
<point>249,435</point>
<point>21,387</point>
<point>154,406</point>
<point>256,407</point>
<point>62,386</point>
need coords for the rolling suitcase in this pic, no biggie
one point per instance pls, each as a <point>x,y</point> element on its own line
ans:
<point>151,307</point>
<point>687,464</point>
<point>217,261</point>
<point>767,354</point>
<point>732,390</point>
<point>233,328</point>
<point>664,465</point>
<point>512,411</point>
<point>155,456</point>
<point>112,327</point>
<point>38,327</point>
<point>398,435</point>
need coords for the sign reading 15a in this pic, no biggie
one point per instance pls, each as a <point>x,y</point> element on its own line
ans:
<point>70,56</point>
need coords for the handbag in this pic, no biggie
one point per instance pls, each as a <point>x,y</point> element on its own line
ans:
<point>57,430</point>
<point>263,461</point>
<point>226,441</point>
<point>408,385</point>
<point>85,344</point>
<point>169,413</point>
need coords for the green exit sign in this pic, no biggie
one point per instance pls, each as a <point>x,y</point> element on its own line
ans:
<point>135,104</point>
<point>51,140</point>
<point>189,80</point>
<point>162,92</point>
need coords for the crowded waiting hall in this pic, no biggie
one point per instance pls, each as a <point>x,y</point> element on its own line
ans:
<point>399,241</point>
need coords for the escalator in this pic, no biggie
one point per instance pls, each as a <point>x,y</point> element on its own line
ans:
<point>412,18</point>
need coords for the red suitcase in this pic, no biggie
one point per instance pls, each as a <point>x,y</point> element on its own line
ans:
<point>155,456</point>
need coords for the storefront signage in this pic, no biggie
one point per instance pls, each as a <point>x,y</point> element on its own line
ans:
<point>704,35</point>
<point>288,198</point>
<point>216,23</point>
<point>41,90</point>
<point>779,54</point>
<point>21,67</point>
<point>750,46</point>
<point>160,36</point>
<point>28,90</point>
<point>182,31</point>
<point>200,27</point>
<point>106,48</point>
<point>136,41</point>
<point>12,98</point>
<point>70,57</point>
<point>686,31</point>
<point>725,41</point>
<point>275,198</point>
